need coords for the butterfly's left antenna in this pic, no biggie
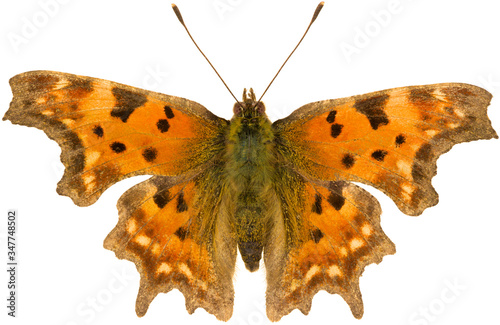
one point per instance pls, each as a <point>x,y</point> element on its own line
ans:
<point>179,16</point>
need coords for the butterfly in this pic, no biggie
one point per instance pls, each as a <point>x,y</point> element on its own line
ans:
<point>280,192</point>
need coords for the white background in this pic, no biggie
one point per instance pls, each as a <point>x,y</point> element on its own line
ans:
<point>63,265</point>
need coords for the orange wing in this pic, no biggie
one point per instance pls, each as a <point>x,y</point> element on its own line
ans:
<point>109,131</point>
<point>339,235</point>
<point>389,139</point>
<point>172,226</point>
<point>178,236</point>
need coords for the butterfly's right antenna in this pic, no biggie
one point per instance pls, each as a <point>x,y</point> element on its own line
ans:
<point>178,14</point>
<point>315,15</point>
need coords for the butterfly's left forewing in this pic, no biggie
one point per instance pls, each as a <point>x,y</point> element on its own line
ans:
<point>109,131</point>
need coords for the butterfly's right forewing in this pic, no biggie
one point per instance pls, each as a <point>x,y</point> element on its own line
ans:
<point>389,139</point>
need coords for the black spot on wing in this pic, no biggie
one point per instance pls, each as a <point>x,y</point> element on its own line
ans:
<point>335,198</point>
<point>150,154</point>
<point>348,160</point>
<point>97,130</point>
<point>118,147</point>
<point>379,155</point>
<point>331,116</point>
<point>316,235</point>
<point>181,233</point>
<point>181,203</point>
<point>336,129</point>
<point>373,109</point>
<point>126,103</point>
<point>316,207</point>
<point>163,125</point>
<point>400,139</point>
<point>161,198</point>
<point>168,112</point>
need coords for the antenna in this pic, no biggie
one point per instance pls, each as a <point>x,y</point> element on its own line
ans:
<point>315,15</point>
<point>179,16</point>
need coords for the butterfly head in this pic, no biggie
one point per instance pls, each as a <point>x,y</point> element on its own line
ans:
<point>249,108</point>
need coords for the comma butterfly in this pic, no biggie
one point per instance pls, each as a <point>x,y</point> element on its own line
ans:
<point>280,191</point>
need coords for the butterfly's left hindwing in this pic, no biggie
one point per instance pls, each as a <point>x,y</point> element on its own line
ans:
<point>109,131</point>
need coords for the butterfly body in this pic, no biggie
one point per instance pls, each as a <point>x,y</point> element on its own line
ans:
<point>283,191</point>
<point>249,168</point>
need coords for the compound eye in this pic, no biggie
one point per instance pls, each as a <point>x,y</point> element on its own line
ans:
<point>261,109</point>
<point>244,121</point>
<point>254,120</point>
<point>237,110</point>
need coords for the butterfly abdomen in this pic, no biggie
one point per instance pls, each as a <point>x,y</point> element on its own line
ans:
<point>248,169</point>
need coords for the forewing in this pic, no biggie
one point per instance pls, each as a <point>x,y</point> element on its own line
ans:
<point>109,131</point>
<point>389,139</point>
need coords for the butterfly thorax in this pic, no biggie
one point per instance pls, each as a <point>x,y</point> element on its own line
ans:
<point>249,168</point>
